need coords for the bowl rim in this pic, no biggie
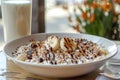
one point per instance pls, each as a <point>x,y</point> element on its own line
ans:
<point>60,65</point>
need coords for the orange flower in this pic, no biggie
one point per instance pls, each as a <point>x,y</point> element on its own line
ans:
<point>115,18</point>
<point>84,15</point>
<point>117,1</point>
<point>92,18</point>
<point>85,3</point>
<point>77,28</point>
<point>94,5</point>
<point>106,6</point>
<point>116,14</point>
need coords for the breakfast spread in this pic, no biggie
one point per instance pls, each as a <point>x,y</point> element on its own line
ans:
<point>60,50</point>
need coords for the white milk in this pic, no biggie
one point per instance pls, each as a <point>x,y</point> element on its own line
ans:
<point>17,19</point>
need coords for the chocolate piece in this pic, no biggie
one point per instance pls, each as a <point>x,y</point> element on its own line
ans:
<point>33,45</point>
<point>40,59</point>
<point>29,54</point>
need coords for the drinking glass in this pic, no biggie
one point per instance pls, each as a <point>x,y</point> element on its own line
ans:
<point>16,15</point>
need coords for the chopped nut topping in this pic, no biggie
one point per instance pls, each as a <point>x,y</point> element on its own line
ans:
<point>60,51</point>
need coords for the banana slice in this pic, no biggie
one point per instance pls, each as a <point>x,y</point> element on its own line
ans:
<point>67,44</point>
<point>54,42</point>
<point>21,57</point>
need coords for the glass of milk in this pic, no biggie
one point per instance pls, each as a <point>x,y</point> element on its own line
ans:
<point>16,15</point>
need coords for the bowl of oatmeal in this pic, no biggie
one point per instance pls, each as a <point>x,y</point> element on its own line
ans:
<point>60,54</point>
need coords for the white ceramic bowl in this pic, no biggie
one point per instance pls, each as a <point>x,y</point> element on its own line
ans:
<point>60,70</point>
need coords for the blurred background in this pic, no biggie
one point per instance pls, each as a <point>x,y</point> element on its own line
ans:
<point>97,17</point>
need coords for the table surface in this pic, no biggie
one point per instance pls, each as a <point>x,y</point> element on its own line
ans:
<point>19,74</point>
